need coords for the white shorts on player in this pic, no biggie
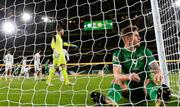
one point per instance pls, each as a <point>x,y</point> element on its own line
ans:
<point>25,71</point>
<point>37,68</point>
<point>8,67</point>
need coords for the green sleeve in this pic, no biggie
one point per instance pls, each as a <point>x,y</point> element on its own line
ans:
<point>115,58</point>
<point>150,57</point>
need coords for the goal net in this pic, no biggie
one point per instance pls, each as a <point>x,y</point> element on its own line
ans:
<point>94,26</point>
<point>169,20</point>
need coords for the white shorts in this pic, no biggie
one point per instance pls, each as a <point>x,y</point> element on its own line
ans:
<point>25,70</point>
<point>37,68</point>
<point>8,67</point>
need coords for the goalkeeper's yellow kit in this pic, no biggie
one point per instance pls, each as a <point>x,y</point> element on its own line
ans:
<point>58,58</point>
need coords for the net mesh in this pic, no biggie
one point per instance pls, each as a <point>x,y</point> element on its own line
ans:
<point>90,66</point>
<point>170,27</point>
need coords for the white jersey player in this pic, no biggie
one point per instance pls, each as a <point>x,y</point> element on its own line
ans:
<point>37,65</point>
<point>25,69</point>
<point>9,61</point>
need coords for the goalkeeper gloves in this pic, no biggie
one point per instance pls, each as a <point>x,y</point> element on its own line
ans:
<point>75,46</point>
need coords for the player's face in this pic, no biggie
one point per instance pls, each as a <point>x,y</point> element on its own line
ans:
<point>62,32</point>
<point>136,39</point>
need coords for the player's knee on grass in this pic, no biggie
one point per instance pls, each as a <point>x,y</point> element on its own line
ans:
<point>152,89</point>
<point>114,93</point>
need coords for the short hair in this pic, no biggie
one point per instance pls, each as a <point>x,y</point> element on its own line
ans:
<point>126,31</point>
<point>9,52</point>
<point>59,27</point>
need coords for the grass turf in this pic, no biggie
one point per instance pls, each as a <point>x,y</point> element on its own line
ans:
<point>28,92</point>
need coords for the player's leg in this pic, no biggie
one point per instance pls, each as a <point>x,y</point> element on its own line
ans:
<point>113,96</point>
<point>114,92</point>
<point>35,71</point>
<point>6,71</point>
<point>62,63</point>
<point>51,75</point>
<point>40,72</point>
<point>10,72</point>
<point>21,72</point>
<point>52,71</point>
<point>61,78</point>
<point>152,91</point>
<point>64,73</point>
<point>26,73</point>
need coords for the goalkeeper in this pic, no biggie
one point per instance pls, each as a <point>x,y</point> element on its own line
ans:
<point>133,67</point>
<point>59,60</point>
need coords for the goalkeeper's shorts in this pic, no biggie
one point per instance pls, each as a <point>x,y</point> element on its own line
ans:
<point>8,67</point>
<point>57,61</point>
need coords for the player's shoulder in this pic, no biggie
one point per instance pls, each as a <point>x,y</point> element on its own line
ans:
<point>143,48</point>
<point>117,51</point>
<point>37,54</point>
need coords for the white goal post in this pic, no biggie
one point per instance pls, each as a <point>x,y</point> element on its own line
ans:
<point>167,27</point>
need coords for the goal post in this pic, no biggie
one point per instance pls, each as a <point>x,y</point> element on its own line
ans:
<point>159,40</point>
<point>166,26</point>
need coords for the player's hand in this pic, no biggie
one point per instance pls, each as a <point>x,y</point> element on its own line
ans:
<point>75,46</point>
<point>134,77</point>
<point>158,78</point>
<point>56,54</point>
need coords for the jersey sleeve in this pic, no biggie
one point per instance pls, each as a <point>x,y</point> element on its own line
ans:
<point>12,59</point>
<point>115,58</point>
<point>150,57</point>
<point>5,59</point>
<point>52,44</point>
<point>68,44</point>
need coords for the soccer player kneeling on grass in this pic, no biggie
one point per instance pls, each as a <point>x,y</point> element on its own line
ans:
<point>59,57</point>
<point>132,68</point>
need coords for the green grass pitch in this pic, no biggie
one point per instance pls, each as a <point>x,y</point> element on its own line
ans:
<point>27,92</point>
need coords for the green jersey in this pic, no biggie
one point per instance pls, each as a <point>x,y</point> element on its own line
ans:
<point>137,61</point>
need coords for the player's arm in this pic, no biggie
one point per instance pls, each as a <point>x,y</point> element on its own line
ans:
<point>35,57</point>
<point>53,44</point>
<point>154,66</point>
<point>117,70</point>
<point>157,72</point>
<point>4,59</point>
<point>118,75</point>
<point>124,77</point>
<point>12,60</point>
<point>69,44</point>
